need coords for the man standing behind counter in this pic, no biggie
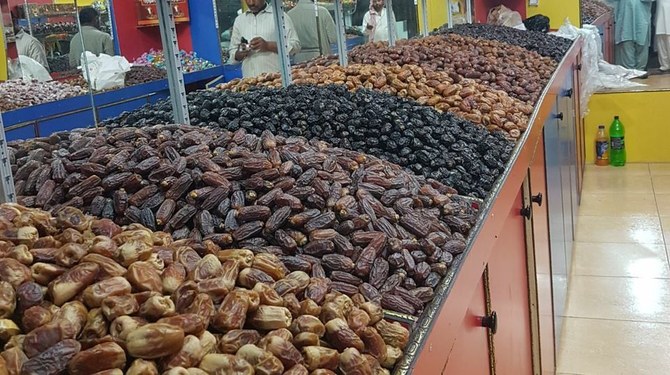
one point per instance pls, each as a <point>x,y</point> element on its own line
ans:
<point>28,45</point>
<point>375,22</point>
<point>315,37</point>
<point>95,41</point>
<point>254,39</point>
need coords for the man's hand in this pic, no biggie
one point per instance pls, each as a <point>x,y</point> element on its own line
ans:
<point>241,54</point>
<point>261,45</point>
<point>369,27</point>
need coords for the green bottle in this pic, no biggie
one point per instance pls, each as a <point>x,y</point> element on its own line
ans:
<point>617,143</point>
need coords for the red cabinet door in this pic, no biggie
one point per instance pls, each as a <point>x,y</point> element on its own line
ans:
<point>470,353</point>
<point>538,185</point>
<point>508,285</point>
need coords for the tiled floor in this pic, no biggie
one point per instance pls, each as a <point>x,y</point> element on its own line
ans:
<point>618,311</point>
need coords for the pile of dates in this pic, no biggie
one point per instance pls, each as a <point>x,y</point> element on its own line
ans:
<point>58,63</point>
<point>546,45</point>
<point>84,296</point>
<point>143,74</point>
<point>368,225</point>
<point>437,145</point>
<point>592,9</point>
<point>17,94</point>
<point>521,73</point>
<point>475,102</point>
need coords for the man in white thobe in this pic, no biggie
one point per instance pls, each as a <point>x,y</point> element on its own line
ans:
<point>253,41</point>
<point>632,33</point>
<point>315,39</point>
<point>375,22</point>
<point>663,33</point>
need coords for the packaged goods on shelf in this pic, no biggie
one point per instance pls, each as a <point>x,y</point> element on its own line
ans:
<point>367,224</point>
<point>475,102</point>
<point>436,145</point>
<point>542,43</point>
<point>19,94</point>
<point>144,73</point>
<point>593,9</point>
<point>521,73</point>
<point>189,60</point>
<point>83,295</point>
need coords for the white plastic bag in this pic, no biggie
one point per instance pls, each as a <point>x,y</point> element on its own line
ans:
<point>104,71</point>
<point>596,74</point>
<point>28,69</point>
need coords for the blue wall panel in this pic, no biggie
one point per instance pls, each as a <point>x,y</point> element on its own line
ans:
<point>204,35</point>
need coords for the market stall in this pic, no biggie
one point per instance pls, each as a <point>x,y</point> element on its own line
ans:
<point>389,215</point>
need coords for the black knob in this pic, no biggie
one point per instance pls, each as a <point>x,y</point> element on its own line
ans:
<point>537,199</point>
<point>527,212</point>
<point>491,322</point>
<point>569,93</point>
<point>559,116</point>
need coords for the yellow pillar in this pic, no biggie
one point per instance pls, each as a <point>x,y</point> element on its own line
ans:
<point>3,55</point>
<point>557,11</point>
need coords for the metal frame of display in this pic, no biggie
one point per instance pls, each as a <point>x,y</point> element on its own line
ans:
<point>7,191</point>
<point>175,73</point>
<point>282,43</point>
<point>450,15</point>
<point>390,22</point>
<point>341,40</point>
<point>424,18</point>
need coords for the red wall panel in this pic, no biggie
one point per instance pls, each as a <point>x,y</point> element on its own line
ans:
<point>134,40</point>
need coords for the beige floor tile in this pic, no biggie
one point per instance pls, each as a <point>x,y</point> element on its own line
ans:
<point>661,184</point>
<point>629,169</point>
<point>619,298</point>
<point>663,203</point>
<point>620,204</point>
<point>617,183</point>
<point>619,229</point>
<point>662,169</point>
<point>621,260</point>
<point>665,224</point>
<point>600,347</point>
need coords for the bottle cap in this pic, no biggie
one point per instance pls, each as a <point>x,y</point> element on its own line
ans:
<point>616,117</point>
<point>601,126</point>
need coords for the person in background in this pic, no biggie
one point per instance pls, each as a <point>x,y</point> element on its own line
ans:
<point>632,33</point>
<point>313,42</point>
<point>253,41</point>
<point>28,45</point>
<point>663,33</point>
<point>375,22</point>
<point>95,41</point>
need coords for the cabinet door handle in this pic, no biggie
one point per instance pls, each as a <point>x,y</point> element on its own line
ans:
<point>491,322</point>
<point>559,116</point>
<point>569,93</point>
<point>537,199</point>
<point>527,212</point>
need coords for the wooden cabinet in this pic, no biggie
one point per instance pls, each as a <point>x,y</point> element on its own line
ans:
<point>508,286</point>
<point>517,264</point>
<point>471,353</point>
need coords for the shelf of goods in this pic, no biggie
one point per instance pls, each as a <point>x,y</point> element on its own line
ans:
<point>74,112</point>
<point>429,191</point>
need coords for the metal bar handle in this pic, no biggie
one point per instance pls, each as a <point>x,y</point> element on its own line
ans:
<point>341,41</point>
<point>282,43</point>
<point>175,72</point>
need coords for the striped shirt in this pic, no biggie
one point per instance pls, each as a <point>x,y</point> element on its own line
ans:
<point>250,26</point>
